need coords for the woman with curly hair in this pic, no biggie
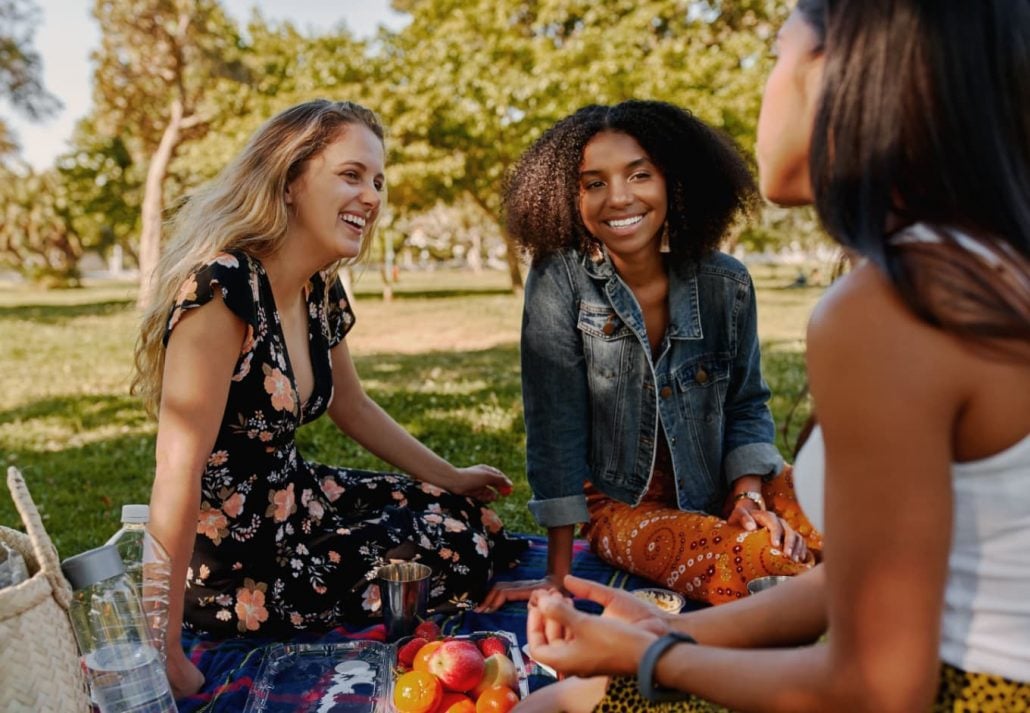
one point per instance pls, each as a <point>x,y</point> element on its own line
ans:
<point>244,343</point>
<point>907,122</point>
<point>645,408</point>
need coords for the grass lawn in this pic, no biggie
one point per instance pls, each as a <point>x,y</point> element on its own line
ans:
<point>442,358</point>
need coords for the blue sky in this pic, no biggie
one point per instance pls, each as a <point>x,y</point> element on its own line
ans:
<point>67,34</point>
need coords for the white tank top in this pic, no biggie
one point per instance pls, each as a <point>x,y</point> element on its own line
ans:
<point>986,621</point>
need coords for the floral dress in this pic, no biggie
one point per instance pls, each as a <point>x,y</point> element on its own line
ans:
<point>284,544</point>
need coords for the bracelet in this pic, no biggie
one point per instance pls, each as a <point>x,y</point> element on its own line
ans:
<point>645,671</point>
<point>752,495</point>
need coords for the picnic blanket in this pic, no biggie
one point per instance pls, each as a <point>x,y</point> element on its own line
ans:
<point>231,665</point>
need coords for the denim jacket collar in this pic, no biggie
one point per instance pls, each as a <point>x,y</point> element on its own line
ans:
<point>684,301</point>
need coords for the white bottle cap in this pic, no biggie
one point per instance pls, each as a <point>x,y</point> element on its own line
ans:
<point>135,514</point>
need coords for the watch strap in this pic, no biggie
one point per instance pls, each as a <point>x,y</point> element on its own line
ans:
<point>648,662</point>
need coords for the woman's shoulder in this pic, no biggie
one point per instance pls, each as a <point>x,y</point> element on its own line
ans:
<point>724,265</point>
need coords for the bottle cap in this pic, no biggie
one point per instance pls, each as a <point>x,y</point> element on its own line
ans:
<point>92,566</point>
<point>135,514</point>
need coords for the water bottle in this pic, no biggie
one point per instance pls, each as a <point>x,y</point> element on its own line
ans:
<point>12,567</point>
<point>149,568</point>
<point>129,541</point>
<point>125,672</point>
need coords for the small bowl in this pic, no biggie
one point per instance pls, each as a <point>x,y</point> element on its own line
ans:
<point>762,583</point>
<point>664,599</point>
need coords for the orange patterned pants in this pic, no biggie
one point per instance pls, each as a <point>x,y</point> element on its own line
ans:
<point>701,556</point>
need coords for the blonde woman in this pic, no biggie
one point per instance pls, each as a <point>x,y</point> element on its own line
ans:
<point>244,343</point>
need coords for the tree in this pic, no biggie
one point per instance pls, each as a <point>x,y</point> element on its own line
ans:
<point>165,70</point>
<point>21,83</point>
<point>469,84</point>
<point>37,237</point>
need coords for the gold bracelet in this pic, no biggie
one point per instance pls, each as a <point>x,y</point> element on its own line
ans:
<point>752,495</point>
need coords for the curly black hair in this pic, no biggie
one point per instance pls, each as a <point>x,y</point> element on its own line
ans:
<point>707,180</point>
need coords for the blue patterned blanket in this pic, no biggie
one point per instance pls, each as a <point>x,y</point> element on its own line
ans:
<point>231,665</point>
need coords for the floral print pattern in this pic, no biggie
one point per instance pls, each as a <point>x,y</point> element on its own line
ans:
<point>284,544</point>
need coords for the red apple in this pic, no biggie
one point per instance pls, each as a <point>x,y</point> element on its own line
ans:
<point>498,670</point>
<point>458,664</point>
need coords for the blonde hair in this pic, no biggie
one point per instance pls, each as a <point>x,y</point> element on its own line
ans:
<point>243,208</point>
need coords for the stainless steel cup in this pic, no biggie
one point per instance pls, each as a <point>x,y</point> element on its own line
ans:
<point>762,583</point>
<point>404,591</point>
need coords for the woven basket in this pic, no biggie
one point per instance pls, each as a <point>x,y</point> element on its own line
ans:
<point>39,660</point>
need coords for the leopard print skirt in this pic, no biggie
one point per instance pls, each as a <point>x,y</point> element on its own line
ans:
<point>958,692</point>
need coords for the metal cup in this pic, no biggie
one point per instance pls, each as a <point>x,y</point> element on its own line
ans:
<point>404,591</point>
<point>762,583</point>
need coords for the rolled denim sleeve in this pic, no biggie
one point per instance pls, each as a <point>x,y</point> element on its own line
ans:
<point>750,433</point>
<point>555,396</point>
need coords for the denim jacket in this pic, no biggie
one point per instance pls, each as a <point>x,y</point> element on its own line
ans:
<point>594,397</point>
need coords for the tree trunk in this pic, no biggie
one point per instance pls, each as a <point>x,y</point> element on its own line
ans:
<point>153,203</point>
<point>512,250</point>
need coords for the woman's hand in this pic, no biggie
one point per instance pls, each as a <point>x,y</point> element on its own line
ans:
<point>619,604</point>
<point>482,482</point>
<point>517,591</point>
<point>748,515</point>
<point>184,677</point>
<point>581,644</point>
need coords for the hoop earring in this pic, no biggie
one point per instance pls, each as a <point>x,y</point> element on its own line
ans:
<point>663,244</point>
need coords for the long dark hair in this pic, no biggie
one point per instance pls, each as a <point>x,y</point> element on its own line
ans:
<point>707,180</point>
<point>925,117</point>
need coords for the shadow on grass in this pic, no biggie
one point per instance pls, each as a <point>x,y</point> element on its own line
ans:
<point>54,314</point>
<point>84,412</point>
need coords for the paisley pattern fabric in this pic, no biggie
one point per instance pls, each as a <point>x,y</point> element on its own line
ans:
<point>699,555</point>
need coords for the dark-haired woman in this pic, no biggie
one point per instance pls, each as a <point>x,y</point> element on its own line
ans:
<point>906,122</point>
<point>646,414</point>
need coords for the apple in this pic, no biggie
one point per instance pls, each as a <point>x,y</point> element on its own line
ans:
<point>498,670</point>
<point>428,630</point>
<point>458,664</point>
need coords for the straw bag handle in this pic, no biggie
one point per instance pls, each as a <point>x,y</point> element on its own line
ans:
<point>42,545</point>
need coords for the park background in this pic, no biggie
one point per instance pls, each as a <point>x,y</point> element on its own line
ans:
<point>464,86</point>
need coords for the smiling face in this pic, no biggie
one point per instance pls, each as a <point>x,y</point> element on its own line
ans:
<point>622,197</point>
<point>336,198</point>
<point>788,113</point>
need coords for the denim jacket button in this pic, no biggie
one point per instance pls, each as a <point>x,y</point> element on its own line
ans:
<point>608,328</point>
<point>701,376</point>
<point>666,392</point>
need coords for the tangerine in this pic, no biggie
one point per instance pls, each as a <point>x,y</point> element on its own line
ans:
<point>496,699</point>
<point>456,703</point>
<point>417,692</point>
<point>421,661</point>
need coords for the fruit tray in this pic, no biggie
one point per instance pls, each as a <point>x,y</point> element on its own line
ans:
<point>360,676</point>
<point>503,669</point>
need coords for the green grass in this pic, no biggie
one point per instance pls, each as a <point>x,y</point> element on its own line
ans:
<point>442,358</point>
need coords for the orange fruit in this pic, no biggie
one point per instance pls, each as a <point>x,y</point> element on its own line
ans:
<point>456,703</point>
<point>496,699</point>
<point>422,657</point>
<point>417,692</point>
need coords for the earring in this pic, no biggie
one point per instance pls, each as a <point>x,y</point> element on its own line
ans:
<point>663,244</point>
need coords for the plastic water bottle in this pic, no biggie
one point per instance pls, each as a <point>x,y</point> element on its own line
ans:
<point>129,541</point>
<point>125,671</point>
<point>12,567</point>
<point>149,568</point>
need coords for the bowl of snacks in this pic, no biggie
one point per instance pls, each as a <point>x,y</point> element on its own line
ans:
<point>664,599</point>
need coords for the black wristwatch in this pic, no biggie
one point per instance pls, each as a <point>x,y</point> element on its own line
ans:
<point>645,671</point>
